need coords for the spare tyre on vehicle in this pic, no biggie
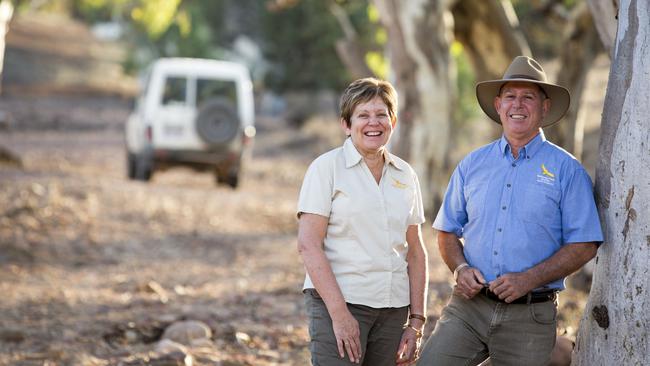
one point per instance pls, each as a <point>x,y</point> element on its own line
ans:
<point>217,122</point>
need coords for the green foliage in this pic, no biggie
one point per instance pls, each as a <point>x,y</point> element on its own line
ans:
<point>467,107</point>
<point>300,44</point>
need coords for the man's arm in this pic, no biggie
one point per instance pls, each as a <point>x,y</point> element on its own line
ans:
<point>470,280</point>
<point>565,261</point>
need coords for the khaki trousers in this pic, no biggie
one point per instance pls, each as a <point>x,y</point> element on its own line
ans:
<point>381,331</point>
<point>469,331</point>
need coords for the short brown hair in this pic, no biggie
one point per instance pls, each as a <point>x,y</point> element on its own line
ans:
<point>364,90</point>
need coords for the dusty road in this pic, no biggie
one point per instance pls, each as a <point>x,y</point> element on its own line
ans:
<point>94,267</point>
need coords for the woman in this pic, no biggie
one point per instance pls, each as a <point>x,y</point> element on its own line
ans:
<point>360,211</point>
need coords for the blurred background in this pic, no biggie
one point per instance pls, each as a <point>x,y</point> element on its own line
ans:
<point>97,269</point>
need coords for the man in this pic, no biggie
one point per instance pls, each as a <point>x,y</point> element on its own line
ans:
<point>525,210</point>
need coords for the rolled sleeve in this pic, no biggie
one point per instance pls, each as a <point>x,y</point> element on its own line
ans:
<point>316,191</point>
<point>452,215</point>
<point>580,221</point>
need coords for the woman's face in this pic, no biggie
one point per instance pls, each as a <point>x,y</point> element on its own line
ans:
<point>370,126</point>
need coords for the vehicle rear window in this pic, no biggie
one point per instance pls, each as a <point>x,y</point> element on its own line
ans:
<point>211,88</point>
<point>175,90</point>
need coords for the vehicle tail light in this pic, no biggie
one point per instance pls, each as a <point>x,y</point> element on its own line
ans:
<point>148,134</point>
<point>249,133</point>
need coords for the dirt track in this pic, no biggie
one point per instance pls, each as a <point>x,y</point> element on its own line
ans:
<point>94,267</point>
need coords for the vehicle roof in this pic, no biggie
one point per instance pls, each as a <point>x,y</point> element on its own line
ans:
<point>198,66</point>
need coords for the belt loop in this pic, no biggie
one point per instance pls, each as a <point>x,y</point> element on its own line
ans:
<point>529,298</point>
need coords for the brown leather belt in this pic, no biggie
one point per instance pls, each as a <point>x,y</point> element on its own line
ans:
<point>530,298</point>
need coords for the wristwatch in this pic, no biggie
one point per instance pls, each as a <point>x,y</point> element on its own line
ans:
<point>457,270</point>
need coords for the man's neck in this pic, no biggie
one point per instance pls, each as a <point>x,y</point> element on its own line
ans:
<point>516,143</point>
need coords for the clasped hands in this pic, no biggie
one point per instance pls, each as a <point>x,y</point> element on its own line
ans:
<point>507,287</point>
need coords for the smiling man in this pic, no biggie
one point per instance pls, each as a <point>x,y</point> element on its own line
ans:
<point>526,213</point>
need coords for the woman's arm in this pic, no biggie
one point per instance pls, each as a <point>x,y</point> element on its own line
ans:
<point>311,233</point>
<point>418,282</point>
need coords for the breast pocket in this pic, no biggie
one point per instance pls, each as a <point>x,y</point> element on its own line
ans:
<point>475,194</point>
<point>541,204</point>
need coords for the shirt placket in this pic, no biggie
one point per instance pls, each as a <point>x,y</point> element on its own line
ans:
<point>504,211</point>
<point>384,247</point>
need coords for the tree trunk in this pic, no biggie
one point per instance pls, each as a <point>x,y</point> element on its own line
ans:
<point>6,12</point>
<point>490,33</point>
<point>614,328</point>
<point>582,47</point>
<point>419,38</point>
<point>605,14</point>
<point>349,49</point>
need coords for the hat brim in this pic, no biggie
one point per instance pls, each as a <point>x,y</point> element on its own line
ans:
<point>560,98</point>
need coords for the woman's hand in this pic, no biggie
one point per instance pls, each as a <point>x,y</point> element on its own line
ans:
<point>346,331</point>
<point>408,351</point>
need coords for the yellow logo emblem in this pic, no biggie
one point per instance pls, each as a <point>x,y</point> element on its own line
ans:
<point>398,184</point>
<point>546,172</point>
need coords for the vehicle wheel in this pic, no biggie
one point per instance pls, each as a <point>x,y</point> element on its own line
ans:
<point>143,168</point>
<point>130,165</point>
<point>217,122</point>
<point>229,178</point>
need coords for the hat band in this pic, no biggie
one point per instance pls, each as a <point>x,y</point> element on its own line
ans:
<point>518,76</point>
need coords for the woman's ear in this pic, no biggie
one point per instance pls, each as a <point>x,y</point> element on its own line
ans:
<point>344,126</point>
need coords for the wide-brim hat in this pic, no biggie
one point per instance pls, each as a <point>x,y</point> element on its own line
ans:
<point>524,69</point>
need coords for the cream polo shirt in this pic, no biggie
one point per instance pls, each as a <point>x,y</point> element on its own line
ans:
<point>366,234</point>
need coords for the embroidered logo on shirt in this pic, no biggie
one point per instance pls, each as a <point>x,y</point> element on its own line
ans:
<point>546,177</point>
<point>398,184</point>
<point>546,172</point>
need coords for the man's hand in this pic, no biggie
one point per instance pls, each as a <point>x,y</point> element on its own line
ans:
<point>346,331</point>
<point>512,286</point>
<point>469,282</point>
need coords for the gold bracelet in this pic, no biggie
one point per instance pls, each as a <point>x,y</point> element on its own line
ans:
<point>418,332</point>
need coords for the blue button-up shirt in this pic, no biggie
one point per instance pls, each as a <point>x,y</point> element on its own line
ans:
<point>515,213</point>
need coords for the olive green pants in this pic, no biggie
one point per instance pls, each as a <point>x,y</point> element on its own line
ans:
<point>381,331</point>
<point>469,331</point>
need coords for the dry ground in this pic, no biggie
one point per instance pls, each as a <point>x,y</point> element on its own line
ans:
<point>93,266</point>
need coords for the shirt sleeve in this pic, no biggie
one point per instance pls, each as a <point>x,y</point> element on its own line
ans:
<point>316,191</point>
<point>452,215</point>
<point>417,214</point>
<point>580,221</point>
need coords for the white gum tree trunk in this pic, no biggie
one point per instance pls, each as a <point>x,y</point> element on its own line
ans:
<point>420,33</point>
<point>614,327</point>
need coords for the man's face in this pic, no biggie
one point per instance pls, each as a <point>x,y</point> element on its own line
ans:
<point>522,107</point>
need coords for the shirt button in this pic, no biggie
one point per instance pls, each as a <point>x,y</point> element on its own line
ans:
<point>499,229</point>
<point>508,185</point>
<point>495,252</point>
<point>503,207</point>
<point>514,165</point>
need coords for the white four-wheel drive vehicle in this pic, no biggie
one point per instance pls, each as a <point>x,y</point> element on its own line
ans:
<point>191,112</point>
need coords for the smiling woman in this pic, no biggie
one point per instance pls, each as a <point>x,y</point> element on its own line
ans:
<point>360,211</point>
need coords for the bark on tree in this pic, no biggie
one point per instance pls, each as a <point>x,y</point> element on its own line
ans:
<point>605,15</point>
<point>582,47</point>
<point>419,38</point>
<point>614,328</point>
<point>6,12</point>
<point>349,49</point>
<point>490,33</point>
